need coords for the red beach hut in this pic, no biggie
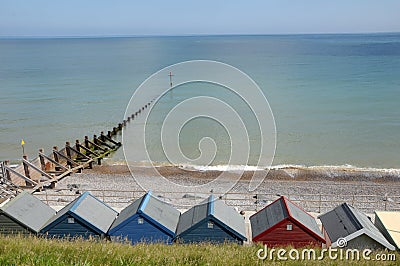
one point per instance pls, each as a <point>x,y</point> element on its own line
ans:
<point>283,223</point>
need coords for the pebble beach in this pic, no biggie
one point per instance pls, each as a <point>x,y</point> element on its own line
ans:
<point>313,189</point>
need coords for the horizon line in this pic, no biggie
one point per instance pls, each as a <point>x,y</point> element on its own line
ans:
<point>185,35</point>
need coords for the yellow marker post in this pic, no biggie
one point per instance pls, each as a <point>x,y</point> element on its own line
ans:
<point>23,147</point>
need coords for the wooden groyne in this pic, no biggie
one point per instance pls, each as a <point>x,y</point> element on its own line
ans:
<point>47,169</point>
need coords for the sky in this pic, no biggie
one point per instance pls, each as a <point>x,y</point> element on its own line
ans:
<point>178,17</point>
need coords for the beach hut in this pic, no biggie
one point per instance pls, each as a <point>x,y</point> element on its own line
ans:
<point>25,214</point>
<point>345,226</point>
<point>147,219</point>
<point>85,217</point>
<point>211,221</point>
<point>388,223</point>
<point>283,223</point>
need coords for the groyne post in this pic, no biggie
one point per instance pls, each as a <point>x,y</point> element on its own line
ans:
<point>99,141</point>
<point>102,137</point>
<point>55,155</point>
<point>77,147</point>
<point>42,161</point>
<point>6,172</point>
<point>68,154</point>
<point>67,149</point>
<point>26,168</point>
<point>87,142</point>
<point>81,155</point>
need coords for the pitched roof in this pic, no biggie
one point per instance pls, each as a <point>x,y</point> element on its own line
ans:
<point>153,208</point>
<point>28,210</point>
<point>304,218</point>
<point>388,222</point>
<point>230,217</point>
<point>347,222</point>
<point>91,210</point>
<point>193,216</point>
<point>268,217</point>
<point>226,215</point>
<point>126,213</point>
<point>340,222</point>
<point>279,210</point>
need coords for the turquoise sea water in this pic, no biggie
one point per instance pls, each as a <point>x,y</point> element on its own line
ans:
<point>335,98</point>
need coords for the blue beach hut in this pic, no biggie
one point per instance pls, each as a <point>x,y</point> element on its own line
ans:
<point>211,221</point>
<point>85,217</point>
<point>147,219</point>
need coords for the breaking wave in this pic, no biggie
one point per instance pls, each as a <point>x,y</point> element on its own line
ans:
<point>331,170</point>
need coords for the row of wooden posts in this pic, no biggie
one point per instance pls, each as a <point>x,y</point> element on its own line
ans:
<point>46,170</point>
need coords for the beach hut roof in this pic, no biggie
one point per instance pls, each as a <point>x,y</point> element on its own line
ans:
<point>347,222</point>
<point>28,210</point>
<point>159,212</point>
<point>94,212</point>
<point>279,210</point>
<point>389,223</point>
<point>226,215</point>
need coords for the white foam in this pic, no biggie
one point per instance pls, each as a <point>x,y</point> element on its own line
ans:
<point>285,167</point>
<point>337,168</point>
<point>229,168</point>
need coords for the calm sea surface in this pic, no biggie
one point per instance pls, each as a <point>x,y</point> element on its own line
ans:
<point>335,98</point>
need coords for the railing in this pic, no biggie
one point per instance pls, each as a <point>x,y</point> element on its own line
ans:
<point>318,203</point>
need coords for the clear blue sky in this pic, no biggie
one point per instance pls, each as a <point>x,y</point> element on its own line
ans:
<point>174,17</point>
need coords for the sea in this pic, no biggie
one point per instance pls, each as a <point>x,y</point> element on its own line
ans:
<point>335,98</point>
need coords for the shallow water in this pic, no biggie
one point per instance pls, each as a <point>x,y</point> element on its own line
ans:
<point>334,97</point>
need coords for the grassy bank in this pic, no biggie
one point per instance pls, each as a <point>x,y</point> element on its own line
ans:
<point>35,251</point>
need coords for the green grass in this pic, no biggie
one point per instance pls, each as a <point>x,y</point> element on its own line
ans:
<point>19,250</point>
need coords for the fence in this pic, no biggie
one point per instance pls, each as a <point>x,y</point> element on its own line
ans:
<point>318,203</point>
